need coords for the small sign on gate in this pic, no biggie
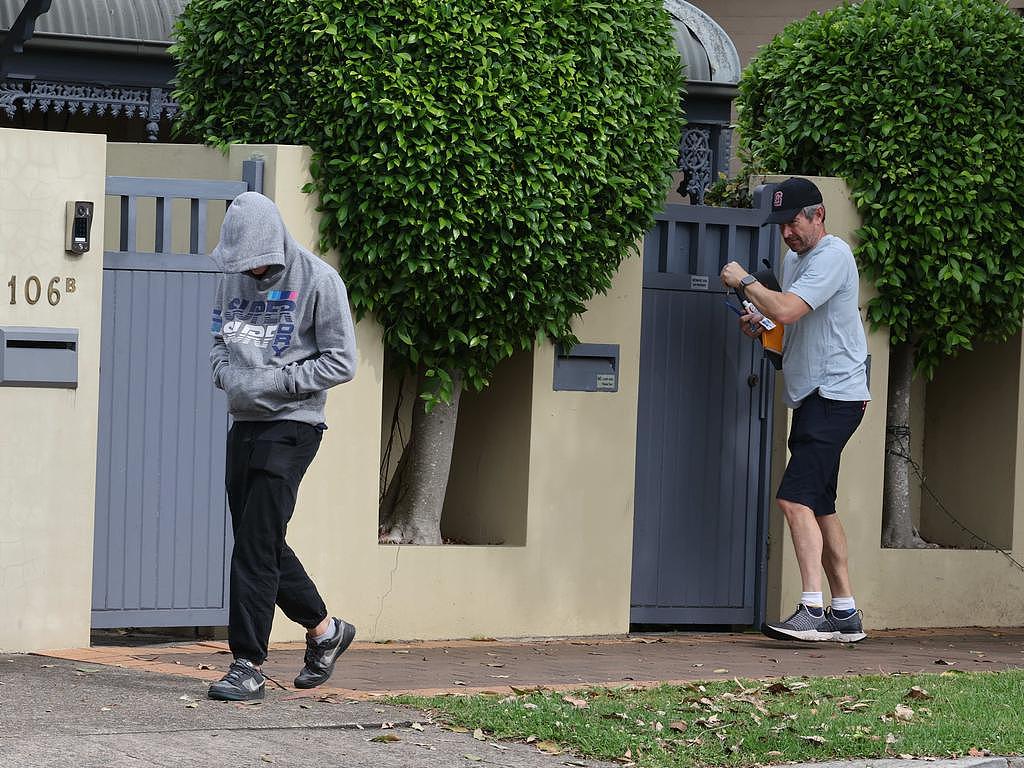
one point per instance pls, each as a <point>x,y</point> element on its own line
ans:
<point>698,282</point>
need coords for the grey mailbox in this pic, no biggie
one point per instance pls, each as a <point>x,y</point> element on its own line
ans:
<point>587,368</point>
<point>38,357</point>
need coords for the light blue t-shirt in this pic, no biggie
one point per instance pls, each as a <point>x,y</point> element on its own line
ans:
<point>826,349</point>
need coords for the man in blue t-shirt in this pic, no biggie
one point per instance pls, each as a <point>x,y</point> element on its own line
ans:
<point>824,365</point>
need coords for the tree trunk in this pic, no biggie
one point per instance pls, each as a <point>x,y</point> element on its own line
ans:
<point>412,505</point>
<point>898,530</point>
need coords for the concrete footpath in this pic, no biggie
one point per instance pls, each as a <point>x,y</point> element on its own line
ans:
<point>126,704</point>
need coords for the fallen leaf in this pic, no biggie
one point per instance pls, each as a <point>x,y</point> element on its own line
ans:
<point>647,640</point>
<point>918,693</point>
<point>774,753</point>
<point>973,752</point>
<point>721,671</point>
<point>305,706</point>
<point>478,734</point>
<point>578,703</point>
<point>813,739</point>
<point>473,758</point>
<point>778,688</point>
<point>945,663</point>
<point>267,758</point>
<point>529,705</point>
<point>905,756</point>
<point>525,691</point>
<point>890,738</point>
<point>502,747</point>
<point>458,682</point>
<point>904,713</point>
<point>416,727</point>
<point>549,747</point>
<point>530,739</point>
<point>490,664</point>
<point>47,666</point>
<point>678,725</point>
<point>386,738</point>
<point>205,666</point>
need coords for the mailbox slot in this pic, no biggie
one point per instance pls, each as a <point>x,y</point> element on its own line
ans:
<point>587,368</point>
<point>38,357</point>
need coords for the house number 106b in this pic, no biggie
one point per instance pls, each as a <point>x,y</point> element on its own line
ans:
<point>32,289</point>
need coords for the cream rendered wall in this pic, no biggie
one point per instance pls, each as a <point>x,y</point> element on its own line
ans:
<point>48,434</point>
<point>896,588</point>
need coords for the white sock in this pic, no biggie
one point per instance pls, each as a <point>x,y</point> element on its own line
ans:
<point>844,604</point>
<point>812,599</point>
<point>328,634</point>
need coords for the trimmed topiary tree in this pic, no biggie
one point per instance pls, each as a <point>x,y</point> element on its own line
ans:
<point>919,105</point>
<point>482,168</point>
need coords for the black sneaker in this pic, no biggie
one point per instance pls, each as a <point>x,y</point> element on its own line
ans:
<point>243,682</point>
<point>320,657</point>
<point>802,625</point>
<point>846,629</point>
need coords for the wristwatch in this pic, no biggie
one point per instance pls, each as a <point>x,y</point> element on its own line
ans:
<point>747,280</point>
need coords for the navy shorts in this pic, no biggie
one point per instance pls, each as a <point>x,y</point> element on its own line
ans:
<point>821,428</point>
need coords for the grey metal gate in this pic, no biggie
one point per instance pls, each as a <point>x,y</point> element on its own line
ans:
<point>162,538</point>
<point>703,430</point>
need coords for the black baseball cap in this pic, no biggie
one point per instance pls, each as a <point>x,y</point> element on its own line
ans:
<point>792,196</point>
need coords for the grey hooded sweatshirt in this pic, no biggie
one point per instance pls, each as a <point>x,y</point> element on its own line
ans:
<point>282,339</point>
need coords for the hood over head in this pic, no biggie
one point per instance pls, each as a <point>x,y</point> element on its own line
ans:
<point>253,235</point>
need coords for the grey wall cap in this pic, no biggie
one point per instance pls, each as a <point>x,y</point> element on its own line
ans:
<point>723,60</point>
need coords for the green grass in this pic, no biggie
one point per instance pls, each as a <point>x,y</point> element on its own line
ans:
<point>741,723</point>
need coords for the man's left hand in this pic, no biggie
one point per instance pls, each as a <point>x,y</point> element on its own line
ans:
<point>732,273</point>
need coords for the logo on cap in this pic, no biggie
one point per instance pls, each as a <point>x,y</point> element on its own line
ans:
<point>777,201</point>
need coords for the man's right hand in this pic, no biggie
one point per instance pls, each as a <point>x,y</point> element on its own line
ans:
<point>750,324</point>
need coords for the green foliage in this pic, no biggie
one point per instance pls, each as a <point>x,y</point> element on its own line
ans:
<point>919,105</point>
<point>482,167</point>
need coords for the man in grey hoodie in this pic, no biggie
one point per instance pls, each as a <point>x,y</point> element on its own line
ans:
<point>282,336</point>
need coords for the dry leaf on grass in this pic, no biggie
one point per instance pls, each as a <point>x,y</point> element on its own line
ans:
<point>549,747</point>
<point>974,752</point>
<point>904,713</point>
<point>814,739</point>
<point>478,734</point>
<point>578,703</point>
<point>679,725</point>
<point>918,693</point>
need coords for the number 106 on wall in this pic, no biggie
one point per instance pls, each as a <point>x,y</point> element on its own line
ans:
<point>32,289</point>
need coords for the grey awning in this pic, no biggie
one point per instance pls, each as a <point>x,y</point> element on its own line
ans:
<point>137,21</point>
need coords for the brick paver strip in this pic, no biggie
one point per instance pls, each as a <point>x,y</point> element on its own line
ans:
<point>469,666</point>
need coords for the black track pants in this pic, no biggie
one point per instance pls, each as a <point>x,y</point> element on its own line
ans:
<point>265,463</point>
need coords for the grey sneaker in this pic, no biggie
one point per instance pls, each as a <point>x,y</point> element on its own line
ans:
<point>320,657</point>
<point>802,625</point>
<point>847,629</point>
<point>243,682</point>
